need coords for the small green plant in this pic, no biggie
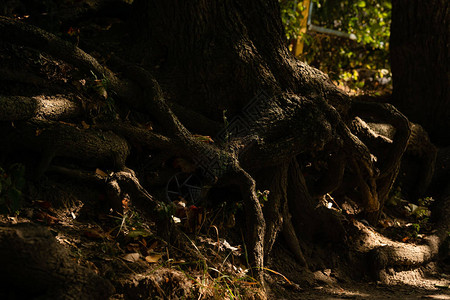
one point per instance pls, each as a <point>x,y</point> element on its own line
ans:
<point>425,201</point>
<point>422,212</point>
<point>12,183</point>
<point>101,87</point>
<point>415,230</point>
<point>130,223</point>
<point>166,210</point>
<point>421,225</point>
<point>262,196</point>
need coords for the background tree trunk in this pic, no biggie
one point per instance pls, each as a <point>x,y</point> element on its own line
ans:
<point>420,64</point>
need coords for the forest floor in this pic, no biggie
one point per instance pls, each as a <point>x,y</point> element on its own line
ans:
<point>425,290</point>
<point>201,263</point>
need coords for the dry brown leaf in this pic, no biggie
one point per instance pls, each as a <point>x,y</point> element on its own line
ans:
<point>131,257</point>
<point>153,245</point>
<point>143,242</point>
<point>153,258</point>
<point>101,173</point>
<point>132,247</point>
<point>45,217</point>
<point>181,261</point>
<point>85,125</point>
<point>148,126</point>
<point>125,205</point>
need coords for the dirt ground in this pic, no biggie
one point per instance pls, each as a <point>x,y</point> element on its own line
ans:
<point>426,288</point>
<point>206,264</point>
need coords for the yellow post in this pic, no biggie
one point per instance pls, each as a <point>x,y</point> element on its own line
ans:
<point>298,49</point>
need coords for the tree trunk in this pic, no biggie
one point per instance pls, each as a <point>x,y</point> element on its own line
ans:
<point>229,59</point>
<point>219,68</point>
<point>420,64</point>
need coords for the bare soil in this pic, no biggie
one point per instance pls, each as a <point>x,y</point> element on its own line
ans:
<point>204,264</point>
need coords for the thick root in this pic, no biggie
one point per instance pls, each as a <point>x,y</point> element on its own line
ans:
<point>58,107</point>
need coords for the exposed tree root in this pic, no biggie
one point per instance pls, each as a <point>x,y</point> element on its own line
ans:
<point>57,107</point>
<point>141,136</point>
<point>119,186</point>
<point>14,31</point>
<point>56,139</point>
<point>384,254</point>
<point>280,128</point>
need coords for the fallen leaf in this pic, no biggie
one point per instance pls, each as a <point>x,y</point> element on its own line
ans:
<point>131,257</point>
<point>181,261</point>
<point>45,217</point>
<point>204,138</point>
<point>153,258</point>
<point>38,132</point>
<point>153,245</point>
<point>125,204</point>
<point>85,125</point>
<point>143,242</point>
<point>138,233</point>
<point>101,173</point>
<point>132,247</point>
<point>148,126</point>
<point>73,31</point>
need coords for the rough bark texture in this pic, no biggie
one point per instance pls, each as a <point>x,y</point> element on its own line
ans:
<point>420,64</point>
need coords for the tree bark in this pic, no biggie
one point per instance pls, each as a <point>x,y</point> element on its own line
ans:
<point>420,62</point>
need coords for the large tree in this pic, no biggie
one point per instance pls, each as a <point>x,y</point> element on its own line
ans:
<point>206,68</point>
<point>420,64</point>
